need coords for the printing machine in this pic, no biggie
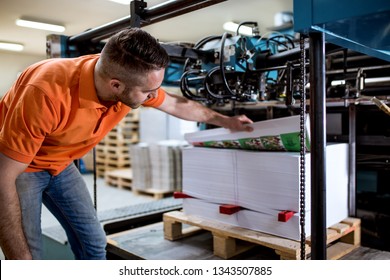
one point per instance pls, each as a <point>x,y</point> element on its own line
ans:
<point>337,63</point>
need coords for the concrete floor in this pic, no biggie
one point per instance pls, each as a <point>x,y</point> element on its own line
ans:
<point>108,197</point>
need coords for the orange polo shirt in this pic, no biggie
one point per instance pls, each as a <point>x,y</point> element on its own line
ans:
<point>52,116</point>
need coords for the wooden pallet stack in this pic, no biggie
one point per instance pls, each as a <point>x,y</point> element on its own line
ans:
<point>113,151</point>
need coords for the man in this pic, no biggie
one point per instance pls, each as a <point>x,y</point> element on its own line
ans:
<point>58,110</point>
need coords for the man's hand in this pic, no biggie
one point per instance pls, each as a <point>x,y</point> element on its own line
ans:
<point>186,109</point>
<point>237,123</point>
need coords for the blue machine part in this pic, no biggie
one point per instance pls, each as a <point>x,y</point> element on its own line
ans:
<point>202,80</point>
<point>173,73</point>
<point>240,51</point>
<point>363,26</point>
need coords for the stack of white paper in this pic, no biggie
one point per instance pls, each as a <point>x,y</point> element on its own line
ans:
<point>262,184</point>
<point>256,180</point>
<point>166,164</point>
<point>140,165</point>
<point>157,166</point>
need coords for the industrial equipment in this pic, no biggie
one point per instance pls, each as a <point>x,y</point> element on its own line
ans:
<point>234,69</point>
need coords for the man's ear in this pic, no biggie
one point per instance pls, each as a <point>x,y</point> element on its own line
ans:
<point>116,85</point>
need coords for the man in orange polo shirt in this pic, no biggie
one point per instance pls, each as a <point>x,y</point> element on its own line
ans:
<point>58,110</point>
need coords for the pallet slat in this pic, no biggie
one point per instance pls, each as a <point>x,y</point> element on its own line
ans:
<point>156,193</point>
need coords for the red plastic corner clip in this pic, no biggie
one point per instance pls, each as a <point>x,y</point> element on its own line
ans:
<point>284,216</point>
<point>181,195</point>
<point>229,209</point>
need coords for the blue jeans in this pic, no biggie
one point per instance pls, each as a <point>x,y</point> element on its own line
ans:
<point>67,198</point>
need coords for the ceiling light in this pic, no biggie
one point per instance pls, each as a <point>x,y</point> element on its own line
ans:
<point>123,2</point>
<point>15,47</point>
<point>232,27</point>
<point>40,25</point>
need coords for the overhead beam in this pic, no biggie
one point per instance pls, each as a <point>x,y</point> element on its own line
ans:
<point>164,11</point>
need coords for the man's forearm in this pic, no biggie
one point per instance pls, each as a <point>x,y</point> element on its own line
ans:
<point>12,239</point>
<point>193,111</point>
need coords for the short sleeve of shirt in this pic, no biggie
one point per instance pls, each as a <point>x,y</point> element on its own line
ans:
<point>156,102</point>
<point>28,121</point>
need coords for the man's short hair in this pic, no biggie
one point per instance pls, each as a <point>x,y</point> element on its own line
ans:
<point>132,52</point>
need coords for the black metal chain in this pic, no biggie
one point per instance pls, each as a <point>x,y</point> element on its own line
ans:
<point>94,178</point>
<point>302,207</point>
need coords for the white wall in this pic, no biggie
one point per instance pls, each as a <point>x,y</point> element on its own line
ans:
<point>165,127</point>
<point>11,64</point>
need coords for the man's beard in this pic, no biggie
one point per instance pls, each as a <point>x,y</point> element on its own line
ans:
<point>125,99</point>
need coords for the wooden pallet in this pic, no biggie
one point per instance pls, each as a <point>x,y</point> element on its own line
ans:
<point>121,178</point>
<point>111,157</point>
<point>100,171</point>
<point>115,139</point>
<point>156,193</point>
<point>132,116</point>
<point>112,152</point>
<point>106,149</point>
<point>229,241</point>
<point>119,161</point>
<point>103,167</point>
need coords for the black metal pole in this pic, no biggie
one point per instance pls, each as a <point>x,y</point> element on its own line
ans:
<point>352,161</point>
<point>318,145</point>
<point>137,10</point>
<point>94,178</point>
<point>175,8</point>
